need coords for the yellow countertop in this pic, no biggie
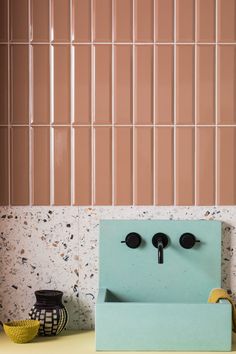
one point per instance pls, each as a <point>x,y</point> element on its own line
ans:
<point>70,342</point>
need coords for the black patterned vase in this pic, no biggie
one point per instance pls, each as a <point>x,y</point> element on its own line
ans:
<point>50,311</point>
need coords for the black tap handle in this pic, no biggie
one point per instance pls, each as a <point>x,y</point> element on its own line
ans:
<point>160,252</point>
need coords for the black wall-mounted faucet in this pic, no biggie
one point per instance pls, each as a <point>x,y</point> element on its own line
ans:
<point>160,241</point>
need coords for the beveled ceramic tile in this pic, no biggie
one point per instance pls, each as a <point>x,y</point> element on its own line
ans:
<point>40,20</point>
<point>4,161</point>
<point>41,166</point>
<point>226,20</point>
<point>20,84</point>
<point>19,20</point>
<point>61,84</point>
<point>123,166</point>
<point>205,21</point>
<point>164,165</point>
<point>164,20</point>
<point>226,166</point>
<point>3,20</point>
<point>62,166</point>
<point>184,173</point>
<point>103,83</point>
<point>82,81</point>
<point>164,84</point>
<point>102,20</point>
<point>83,166</point>
<point>205,85</point>
<point>103,166</point>
<point>60,20</point>
<point>185,20</point>
<point>20,166</point>
<point>205,166</point>
<point>226,84</point>
<point>143,20</point>
<point>123,84</point>
<point>123,22</point>
<point>81,17</point>
<point>143,84</point>
<point>3,84</point>
<point>185,84</point>
<point>41,84</point>
<point>143,166</point>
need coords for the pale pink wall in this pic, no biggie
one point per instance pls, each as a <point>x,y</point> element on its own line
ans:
<point>117,102</point>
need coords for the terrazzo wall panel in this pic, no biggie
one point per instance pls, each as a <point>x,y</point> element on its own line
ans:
<point>57,248</point>
<point>117,102</point>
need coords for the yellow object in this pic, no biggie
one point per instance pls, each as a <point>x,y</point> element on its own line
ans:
<point>218,294</point>
<point>21,331</point>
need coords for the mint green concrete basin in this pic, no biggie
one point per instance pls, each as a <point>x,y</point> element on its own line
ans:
<point>143,305</point>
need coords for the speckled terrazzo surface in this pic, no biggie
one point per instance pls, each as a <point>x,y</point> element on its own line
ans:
<point>57,248</point>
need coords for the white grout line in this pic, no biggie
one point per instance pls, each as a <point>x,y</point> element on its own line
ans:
<point>51,66</point>
<point>195,106</point>
<point>30,155</point>
<point>112,104</point>
<point>92,90</point>
<point>9,103</point>
<point>216,102</point>
<point>174,144</point>
<point>133,110</point>
<point>118,43</point>
<point>154,107</point>
<point>72,105</point>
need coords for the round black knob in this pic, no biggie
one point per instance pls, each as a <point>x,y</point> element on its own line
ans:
<point>132,240</point>
<point>160,237</point>
<point>187,240</point>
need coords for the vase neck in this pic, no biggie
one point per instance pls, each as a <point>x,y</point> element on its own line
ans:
<point>48,297</point>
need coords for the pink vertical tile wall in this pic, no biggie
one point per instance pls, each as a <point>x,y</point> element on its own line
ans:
<point>118,102</point>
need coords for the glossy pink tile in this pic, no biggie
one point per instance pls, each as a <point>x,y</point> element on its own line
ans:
<point>205,166</point>
<point>143,166</point>
<point>185,84</point>
<point>40,166</point>
<point>40,20</point>
<point>164,166</point>
<point>123,166</point>
<point>61,84</point>
<point>143,20</point>
<point>123,22</point>
<point>62,166</point>
<point>82,84</point>
<point>205,20</point>
<point>226,84</point>
<point>19,20</point>
<point>103,84</point>
<point>143,84</point>
<point>123,84</point>
<point>20,84</point>
<point>226,166</point>
<point>102,20</point>
<point>164,20</point>
<point>3,84</point>
<point>20,166</point>
<point>3,20</point>
<point>226,20</point>
<point>205,85</point>
<point>164,84</point>
<point>81,17</point>
<point>82,170</point>
<point>4,161</point>
<point>60,20</point>
<point>41,84</point>
<point>185,20</point>
<point>103,166</point>
<point>184,173</point>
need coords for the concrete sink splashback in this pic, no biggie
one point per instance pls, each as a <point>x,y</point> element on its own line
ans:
<point>144,305</point>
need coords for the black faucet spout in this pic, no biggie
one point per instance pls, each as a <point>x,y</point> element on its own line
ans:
<point>160,241</point>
